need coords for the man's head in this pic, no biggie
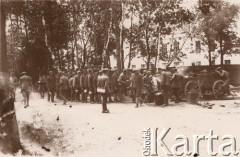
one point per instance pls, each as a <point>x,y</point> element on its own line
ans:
<point>96,73</point>
<point>219,69</point>
<point>124,71</point>
<point>136,71</point>
<point>148,73</point>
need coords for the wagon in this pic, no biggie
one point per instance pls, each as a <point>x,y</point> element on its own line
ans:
<point>206,83</point>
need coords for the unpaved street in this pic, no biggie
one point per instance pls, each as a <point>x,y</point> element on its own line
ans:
<point>78,129</point>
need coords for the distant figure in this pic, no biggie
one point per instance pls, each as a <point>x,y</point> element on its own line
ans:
<point>25,83</point>
<point>176,81</point>
<point>42,85</point>
<point>122,82</point>
<point>14,82</point>
<point>165,85</point>
<point>71,88</point>
<point>95,93</point>
<point>83,80</point>
<point>137,86</point>
<point>63,86</point>
<point>115,87</point>
<point>76,86</point>
<point>51,86</point>
<point>103,89</point>
<point>147,86</point>
<point>225,77</point>
<point>90,80</point>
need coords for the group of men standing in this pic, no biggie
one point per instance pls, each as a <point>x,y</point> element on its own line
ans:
<point>100,85</point>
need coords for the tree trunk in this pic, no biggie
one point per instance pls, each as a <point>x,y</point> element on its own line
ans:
<point>72,55</point>
<point>75,36</point>
<point>118,38</point>
<point>209,52</point>
<point>148,53</point>
<point>221,51</point>
<point>130,47</point>
<point>3,43</point>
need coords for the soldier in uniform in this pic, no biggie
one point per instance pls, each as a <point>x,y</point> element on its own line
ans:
<point>25,83</point>
<point>51,85</point>
<point>176,81</point>
<point>90,85</point>
<point>76,86</point>
<point>225,77</point>
<point>132,87</point>
<point>165,85</point>
<point>95,93</point>
<point>147,85</point>
<point>42,85</point>
<point>83,85</point>
<point>122,82</point>
<point>137,86</point>
<point>63,86</point>
<point>71,88</point>
<point>103,89</point>
<point>115,76</point>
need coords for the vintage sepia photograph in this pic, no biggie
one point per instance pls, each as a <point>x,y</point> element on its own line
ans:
<point>119,78</point>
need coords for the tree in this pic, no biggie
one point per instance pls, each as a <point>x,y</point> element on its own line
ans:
<point>3,44</point>
<point>158,19</point>
<point>219,29</point>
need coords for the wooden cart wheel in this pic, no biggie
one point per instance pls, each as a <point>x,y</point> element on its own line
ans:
<point>218,90</point>
<point>191,86</point>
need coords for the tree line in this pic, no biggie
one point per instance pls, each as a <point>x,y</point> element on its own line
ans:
<point>70,34</point>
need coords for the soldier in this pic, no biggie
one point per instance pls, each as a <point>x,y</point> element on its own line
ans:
<point>115,76</point>
<point>14,82</point>
<point>83,79</point>
<point>90,85</point>
<point>103,89</point>
<point>176,81</point>
<point>147,85</point>
<point>71,88</point>
<point>122,82</point>
<point>76,86</point>
<point>25,83</point>
<point>225,77</point>
<point>42,85</point>
<point>63,86</point>
<point>137,86</point>
<point>165,85</point>
<point>95,93</point>
<point>132,87</point>
<point>51,85</point>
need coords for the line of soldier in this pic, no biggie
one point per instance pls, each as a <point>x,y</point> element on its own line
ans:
<point>81,85</point>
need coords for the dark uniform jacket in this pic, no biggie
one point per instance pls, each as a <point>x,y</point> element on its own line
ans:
<point>63,82</point>
<point>51,82</point>
<point>90,82</point>
<point>83,79</point>
<point>177,80</point>
<point>76,82</point>
<point>25,82</point>
<point>103,83</point>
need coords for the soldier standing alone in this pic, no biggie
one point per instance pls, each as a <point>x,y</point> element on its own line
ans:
<point>103,89</point>
<point>25,83</point>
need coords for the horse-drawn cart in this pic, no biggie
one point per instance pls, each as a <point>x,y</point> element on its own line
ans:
<point>206,83</point>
